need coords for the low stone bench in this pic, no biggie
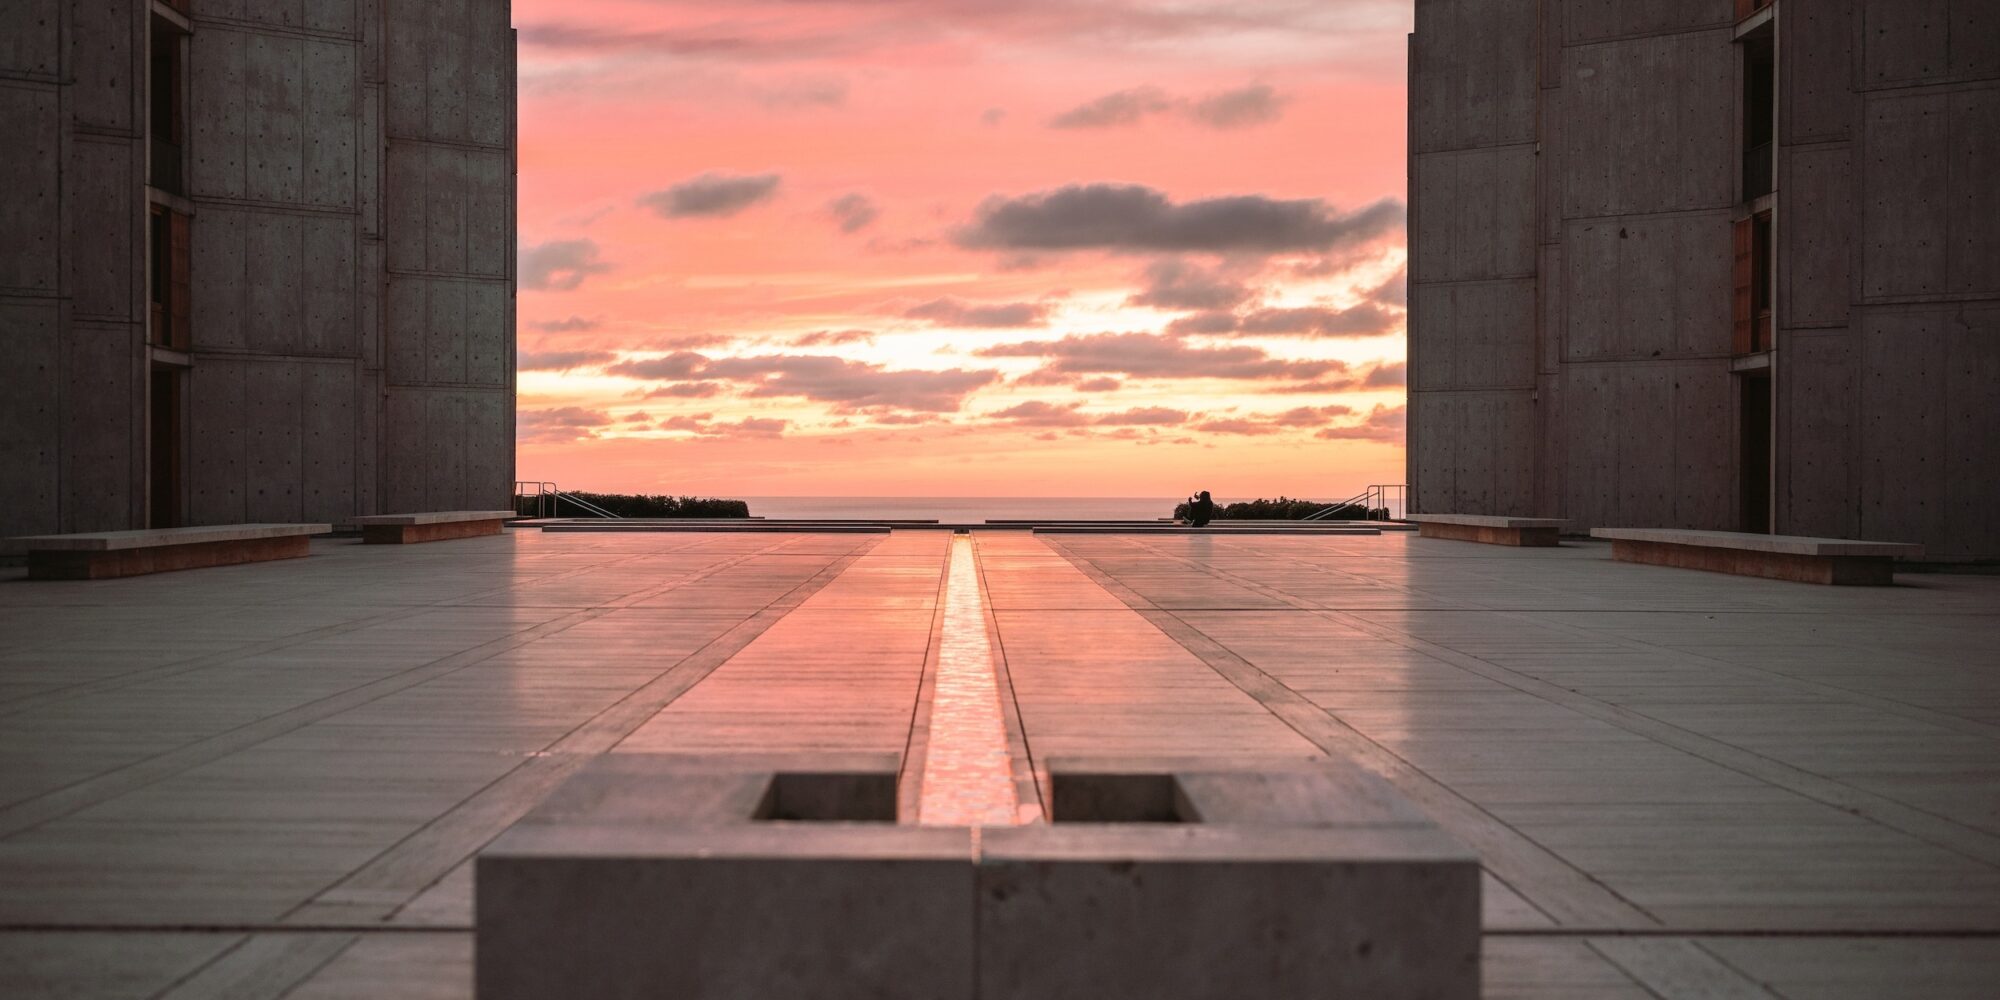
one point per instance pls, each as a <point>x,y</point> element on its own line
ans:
<point>103,555</point>
<point>1537,532</point>
<point>656,875</point>
<point>434,526</point>
<point>1779,557</point>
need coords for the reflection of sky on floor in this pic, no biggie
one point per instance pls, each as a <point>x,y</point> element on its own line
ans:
<point>967,775</point>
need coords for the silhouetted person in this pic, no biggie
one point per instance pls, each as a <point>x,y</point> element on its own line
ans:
<point>1201,509</point>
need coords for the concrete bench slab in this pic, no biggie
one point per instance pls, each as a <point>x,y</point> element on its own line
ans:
<point>651,875</point>
<point>103,555</point>
<point>430,526</point>
<point>1534,532</point>
<point>1840,561</point>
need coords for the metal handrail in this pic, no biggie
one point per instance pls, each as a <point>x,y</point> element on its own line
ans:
<point>1372,499</point>
<point>586,505</point>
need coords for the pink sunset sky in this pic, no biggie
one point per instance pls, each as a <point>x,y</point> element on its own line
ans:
<point>962,247</point>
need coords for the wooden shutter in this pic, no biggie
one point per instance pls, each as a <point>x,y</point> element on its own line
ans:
<point>178,291</point>
<point>1744,301</point>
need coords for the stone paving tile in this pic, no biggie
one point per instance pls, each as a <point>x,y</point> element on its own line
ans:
<point>322,744</point>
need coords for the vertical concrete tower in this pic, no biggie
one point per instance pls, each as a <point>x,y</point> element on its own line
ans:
<point>1723,264</point>
<point>260,263</point>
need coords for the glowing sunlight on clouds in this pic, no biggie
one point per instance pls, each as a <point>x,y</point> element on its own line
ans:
<point>961,247</point>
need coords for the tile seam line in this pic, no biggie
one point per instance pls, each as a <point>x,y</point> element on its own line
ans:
<point>84,689</point>
<point>916,742</point>
<point>817,582</point>
<point>1918,712</point>
<point>1644,983</point>
<point>1987,849</point>
<point>394,683</point>
<point>1580,931</point>
<point>1969,727</point>
<point>1615,898</point>
<point>1011,717</point>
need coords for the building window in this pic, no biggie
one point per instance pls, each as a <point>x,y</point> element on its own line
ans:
<point>1760,115</point>
<point>1745,8</point>
<point>1754,284</point>
<point>166,122</point>
<point>168,279</point>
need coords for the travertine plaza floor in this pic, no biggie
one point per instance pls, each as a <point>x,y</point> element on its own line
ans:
<point>267,780</point>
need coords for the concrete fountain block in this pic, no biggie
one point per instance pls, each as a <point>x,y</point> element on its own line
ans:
<point>1174,881</point>
<point>652,877</point>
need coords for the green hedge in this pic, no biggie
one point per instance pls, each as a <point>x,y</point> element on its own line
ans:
<point>1283,509</point>
<point>641,505</point>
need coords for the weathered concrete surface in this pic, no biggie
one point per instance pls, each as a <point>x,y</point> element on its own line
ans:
<point>1571,267</point>
<point>296,402</point>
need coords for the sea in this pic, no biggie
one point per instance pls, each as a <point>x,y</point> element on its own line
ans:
<point>967,508</point>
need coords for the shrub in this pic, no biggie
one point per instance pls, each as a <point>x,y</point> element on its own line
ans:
<point>642,505</point>
<point>1283,509</point>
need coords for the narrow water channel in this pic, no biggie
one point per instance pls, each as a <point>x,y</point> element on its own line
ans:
<point>967,779</point>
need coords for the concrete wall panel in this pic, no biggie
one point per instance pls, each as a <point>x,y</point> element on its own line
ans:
<point>1904,40</point>
<point>368,407</point>
<point>330,322</point>
<point>406,36</point>
<point>445,338</point>
<point>30,37</point>
<point>406,318</point>
<point>104,66</point>
<point>1649,125</point>
<point>1475,63</point>
<point>403,200</point>
<point>1972,240</point>
<point>331,118</point>
<point>331,15</point>
<point>1598,20</point>
<point>100,432</point>
<point>1972,436</point>
<point>274,118</point>
<point>30,414</point>
<point>274,299</point>
<point>1704,492</point>
<point>218,74</point>
<point>1815,95</point>
<point>1474,213</point>
<point>489,218</point>
<point>328,444</point>
<point>447,199</point>
<point>1903,470</point>
<point>1816,423</point>
<point>30,207</point>
<point>447,71</point>
<point>488,333</point>
<point>489,451</point>
<point>446,430</point>
<point>100,181</point>
<point>1907,201</point>
<point>219,279</point>
<point>1929,473</point>
<point>368,162</point>
<point>274,412</point>
<point>490,75</point>
<point>1816,235</point>
<point>218,439</point>
<point>1648,287</point>
<point>404,472</point>
<point>1649,445</point>
<point>370,285</point>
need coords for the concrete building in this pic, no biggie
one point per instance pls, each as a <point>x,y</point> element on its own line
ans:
<point>259,260</point>
<point>1719,264</point>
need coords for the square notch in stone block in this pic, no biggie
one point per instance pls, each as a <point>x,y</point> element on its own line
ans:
<point>829,798</point>
<point>1118,797</point>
